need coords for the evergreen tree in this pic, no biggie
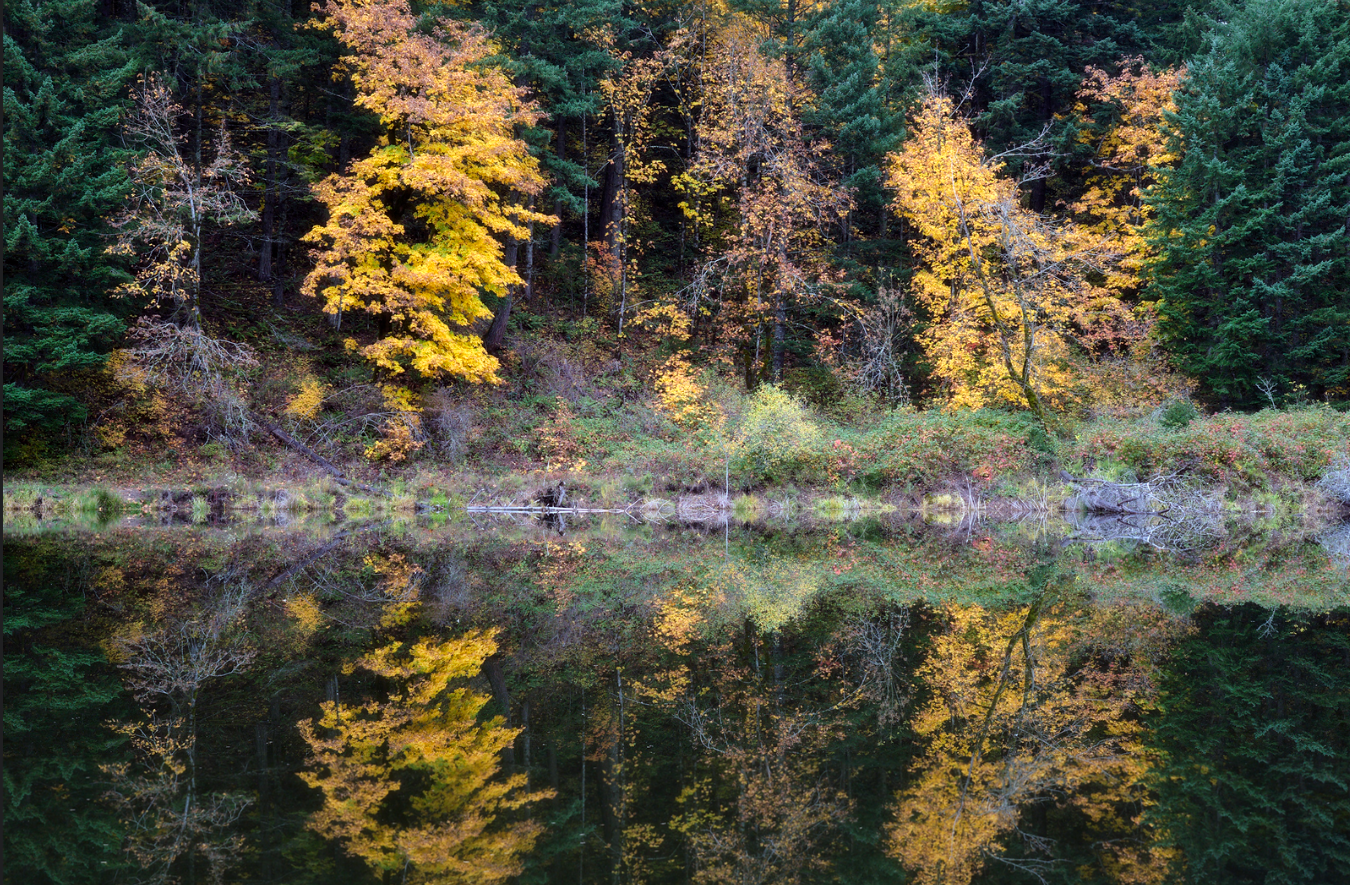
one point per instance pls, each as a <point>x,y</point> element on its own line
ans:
<point>65,73</point>
<point>852,103</point>
<point>1252,278</point>
<point>57,697</point>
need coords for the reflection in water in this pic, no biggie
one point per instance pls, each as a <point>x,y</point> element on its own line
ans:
<point>1030,708</point>
<point>860,703</point>
<point>410,782</point>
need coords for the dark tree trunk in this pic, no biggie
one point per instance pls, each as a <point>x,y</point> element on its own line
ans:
<point>611,204</point>
<point>779,336</point>
<point>269,214</point>
<point>496,333</point>
<point>555,243</point>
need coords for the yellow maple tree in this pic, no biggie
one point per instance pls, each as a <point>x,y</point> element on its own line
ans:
<point>1014,299</point>
<point>413,228</point>
<point>425,735</point>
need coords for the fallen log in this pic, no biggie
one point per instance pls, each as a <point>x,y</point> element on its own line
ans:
<point>295,445</point>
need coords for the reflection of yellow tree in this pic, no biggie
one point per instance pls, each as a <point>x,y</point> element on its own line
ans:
<point>1010,723</point>
<point>427,732</point>
<point>168,818</point>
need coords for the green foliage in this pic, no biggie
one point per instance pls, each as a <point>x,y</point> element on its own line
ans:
<point>910,447</point>
<point>1244,449</point>
<point>777,439</point>
<point>1254,781</point>
<point>1252,275</point>
<point>56,695</point>
<point>1177,414</point>
<point>64,73</point>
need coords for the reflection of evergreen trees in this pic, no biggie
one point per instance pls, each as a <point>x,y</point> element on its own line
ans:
<point>57,695</point>
<point>1253,729</point>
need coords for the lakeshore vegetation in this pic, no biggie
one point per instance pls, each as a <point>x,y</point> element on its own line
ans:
<point>855,244</point>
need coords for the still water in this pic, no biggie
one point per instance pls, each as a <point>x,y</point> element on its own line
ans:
<point>859,701</point>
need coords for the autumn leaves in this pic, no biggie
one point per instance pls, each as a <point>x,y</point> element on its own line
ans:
<point>1017,307</point>
<point>414,229</point>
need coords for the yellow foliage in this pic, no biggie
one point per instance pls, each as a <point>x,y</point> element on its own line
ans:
<point>400,438</point>
<point>451,151</point>
<point>1125,158</point>
<point>1009,294</point>
<point>308,400</point>
<point>1009,722</point>
<point>683,399</point>
<point>777,434</point>
<point>557,439</point>
<point>305,611</point>
<point>427,733</point>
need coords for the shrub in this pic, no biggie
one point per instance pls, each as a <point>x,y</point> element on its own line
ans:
<point>1177,413</point>
<point>1247,449</point>
<point>777,439</point>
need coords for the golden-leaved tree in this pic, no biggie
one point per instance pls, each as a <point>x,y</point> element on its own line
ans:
<point>1028,706</point>
<point>1127,152</point>
<point>413,228</point>
<point>754,158</point>
<point>1014,300</point>
<point>367,759</point>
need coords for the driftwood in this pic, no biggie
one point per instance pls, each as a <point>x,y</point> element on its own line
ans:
<point>1156,497</point>
<point>295,445</point>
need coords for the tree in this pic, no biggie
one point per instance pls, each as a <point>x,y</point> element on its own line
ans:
<point>65,72</point>
<point>412,233</point>
<point>1123,117</point>
<point>56,831</point>
<point>173,199</point>
<point>1250,729</point>
<point>450,821</point>
<point>167,815</point>
<point>1019,715</point>
<point>1010,295</point>
<point>753,155</point>
<point>1252,275</point>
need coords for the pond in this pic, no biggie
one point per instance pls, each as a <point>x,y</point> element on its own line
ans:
<point>868,699</point>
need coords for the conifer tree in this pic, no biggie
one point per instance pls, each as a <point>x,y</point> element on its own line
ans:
<point>1252,278</point>
<point>64,75</point>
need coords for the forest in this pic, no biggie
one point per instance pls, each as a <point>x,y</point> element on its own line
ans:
<point>786,235</point>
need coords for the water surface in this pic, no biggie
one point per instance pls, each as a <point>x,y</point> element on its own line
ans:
<point>609,701</point>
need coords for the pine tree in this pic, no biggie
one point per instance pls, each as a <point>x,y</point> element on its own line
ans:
<point>64,76</point>
<point>1252,277</point>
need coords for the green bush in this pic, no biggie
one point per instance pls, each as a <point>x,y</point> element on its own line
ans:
<point>778,440</point>
<point>1177,413</point>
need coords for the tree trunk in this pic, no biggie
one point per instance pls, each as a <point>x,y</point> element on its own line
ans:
<point>496,333</point>
<point>779,336</point>
<point>611,202</point>
<point>269,214</point>
<point>555,241</point>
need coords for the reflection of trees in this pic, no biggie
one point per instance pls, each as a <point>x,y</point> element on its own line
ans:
<point>167,816</point>
<point>766,808</point>
<point>1019,715</point>
<point>1251,729</point>
<point>412,784</point>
